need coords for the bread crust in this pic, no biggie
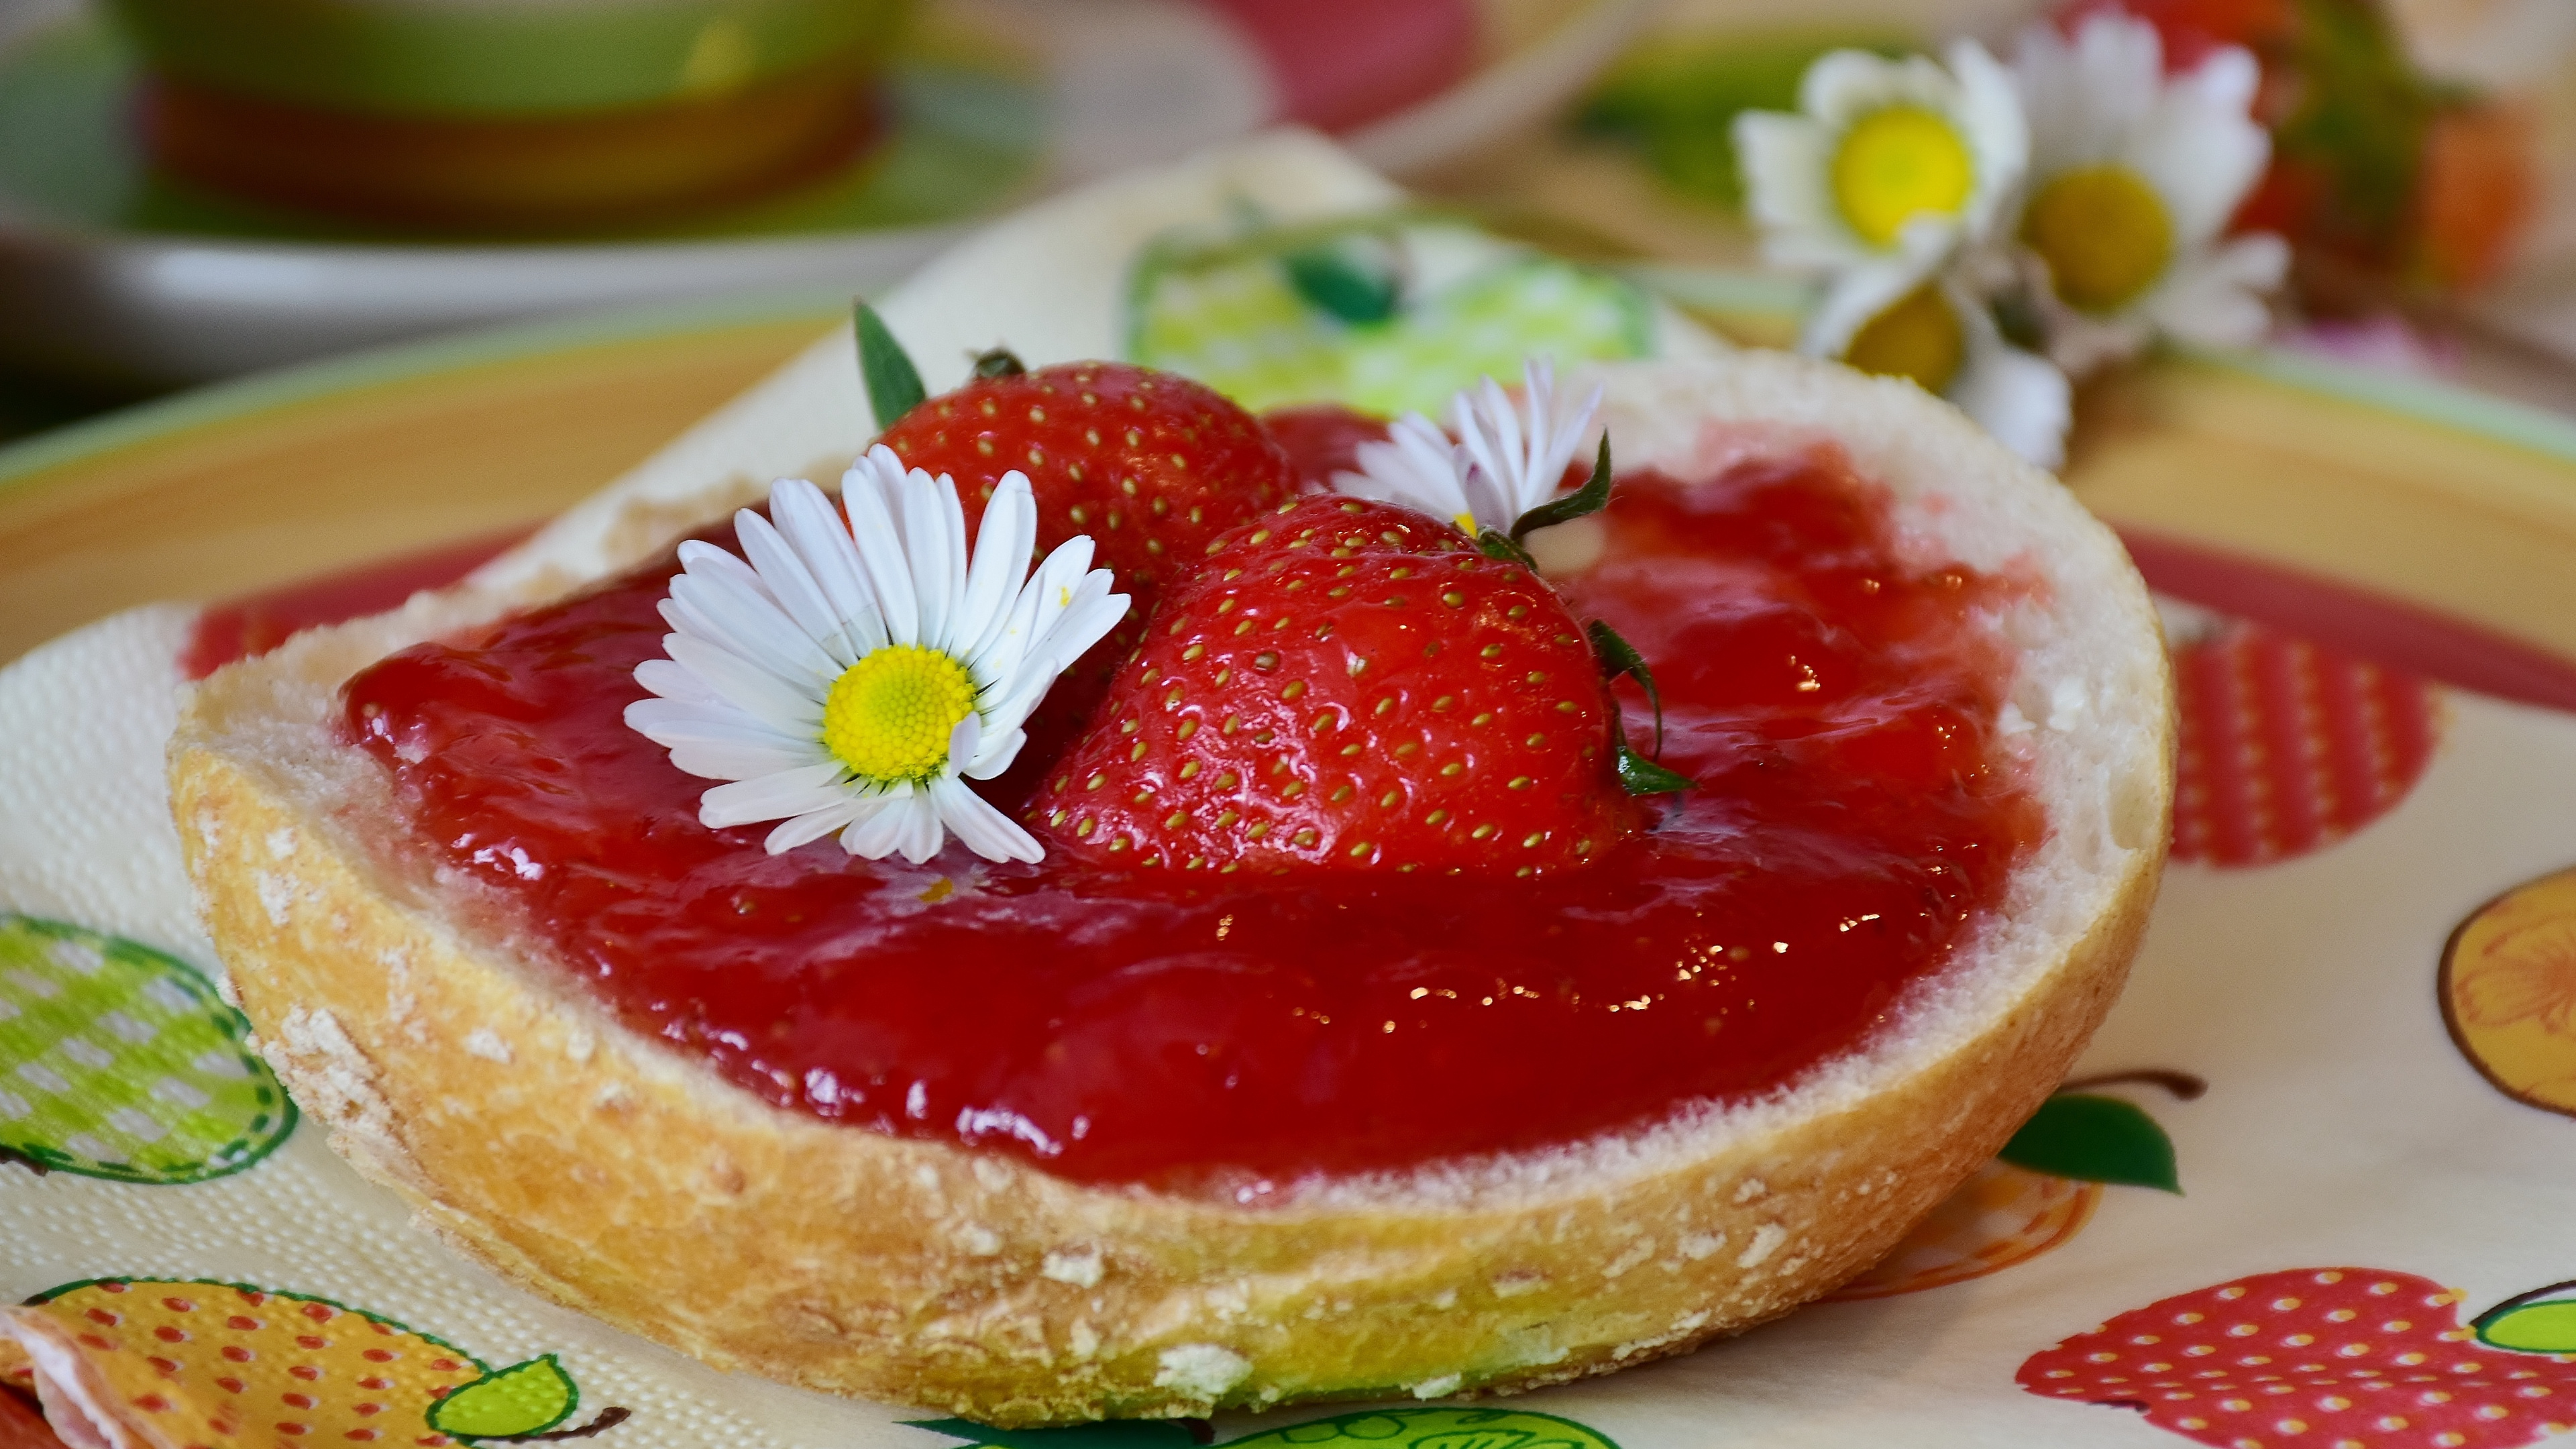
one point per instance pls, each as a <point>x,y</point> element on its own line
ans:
<point>594,1166</point>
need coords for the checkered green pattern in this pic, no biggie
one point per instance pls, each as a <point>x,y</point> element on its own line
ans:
<point>1238,325</point>
<point>117,1061</point>
<point>1484,326</point>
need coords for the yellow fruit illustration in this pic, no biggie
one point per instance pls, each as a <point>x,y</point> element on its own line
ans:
<point>2508,986</point>
<point>228,1366</point>
<point>2002,1216</point>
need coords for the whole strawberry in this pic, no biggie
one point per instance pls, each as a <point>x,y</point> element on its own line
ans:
<point>1150,464</point>
<point>2327,1356</point>
<point>1349,685</point>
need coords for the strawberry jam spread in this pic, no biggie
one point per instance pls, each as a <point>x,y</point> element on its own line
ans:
<point>1835,700</point>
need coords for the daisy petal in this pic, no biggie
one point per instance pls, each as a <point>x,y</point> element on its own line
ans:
<point>773,797</point>
<point>2218,301</point>
<point>2200,148</point>
<point>821,537</point>
<point>745,685</point>
<point>1998,134</point>
<point>879,825</point>
<point>864,493</point>
<point>811,826</point>
<point>1786,161</point>
<point>985,830</point>
<point>668,679</point>
<point>938,575</point>
<point>1004,541</point>
<point>994,754</point>
<point>918,827</point>
<point>799,594</point>
<point>1416,466</point>
<point>720,749</point>
<point>726,610</point>
<point>2021,399</point>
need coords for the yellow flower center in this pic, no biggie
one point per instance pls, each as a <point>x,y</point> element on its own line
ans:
<point>1897,164</point>
<point>2103,232</point>
<point>1920,337</point>
<point>889,716</point>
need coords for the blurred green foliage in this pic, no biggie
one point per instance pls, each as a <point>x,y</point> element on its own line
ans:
<point>2358,112</point>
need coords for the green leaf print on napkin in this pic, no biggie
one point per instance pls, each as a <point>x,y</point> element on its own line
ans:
<point>117,1061</point>
<point>1386,314</point>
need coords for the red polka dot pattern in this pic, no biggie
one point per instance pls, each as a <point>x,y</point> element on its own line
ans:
<point>2313,1358</point>
<point>2287,747</point>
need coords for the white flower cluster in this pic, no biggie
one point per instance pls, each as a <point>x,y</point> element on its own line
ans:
<point>2082,192</point>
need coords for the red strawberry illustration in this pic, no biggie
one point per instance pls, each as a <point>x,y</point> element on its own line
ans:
<point>2340,1358</point>
<point>1150,464</point>
<point>2288,746</point>
<point>1350,684</point>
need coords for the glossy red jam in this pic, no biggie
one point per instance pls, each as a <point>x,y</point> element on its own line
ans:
<point>1223,1034</point>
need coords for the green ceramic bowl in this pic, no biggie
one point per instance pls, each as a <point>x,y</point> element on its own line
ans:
<point>500,59</point>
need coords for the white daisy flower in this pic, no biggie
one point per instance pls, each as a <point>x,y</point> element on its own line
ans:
<point>1882,148</point>
<point>855,673</point>
<point>1926,320</point>
<point>1510,456</point>
<point>2133,176</point>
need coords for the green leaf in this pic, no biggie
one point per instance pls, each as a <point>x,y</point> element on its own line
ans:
<point>2528,1326</point>
<point>1642,776</point>
<point>526,1398</point>
<point>1330,280</point>
<point>1592,497</point>
<point>2095,1139</point>
<point>894,384</point>
<point>1133,1434</point>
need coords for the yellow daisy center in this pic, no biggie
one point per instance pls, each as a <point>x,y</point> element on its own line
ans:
<point>1920,337</point>
<point>889,716</point>
<point>2104,233</point>
<point>1897,164</point>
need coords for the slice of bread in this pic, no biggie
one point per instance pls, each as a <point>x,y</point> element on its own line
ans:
<point>627,1180</point>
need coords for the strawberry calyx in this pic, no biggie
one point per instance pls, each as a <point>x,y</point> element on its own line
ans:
<point>1638,774</point>
<point>995,362</point>
<point>1591,498</point>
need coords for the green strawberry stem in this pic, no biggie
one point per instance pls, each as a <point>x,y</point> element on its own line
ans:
<point>1591,498</point>
<point>894,384</point>
<point>1618,657</point>
<point>1498,546</point>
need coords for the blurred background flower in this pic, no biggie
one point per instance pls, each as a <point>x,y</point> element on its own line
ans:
<point>190,189</point>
